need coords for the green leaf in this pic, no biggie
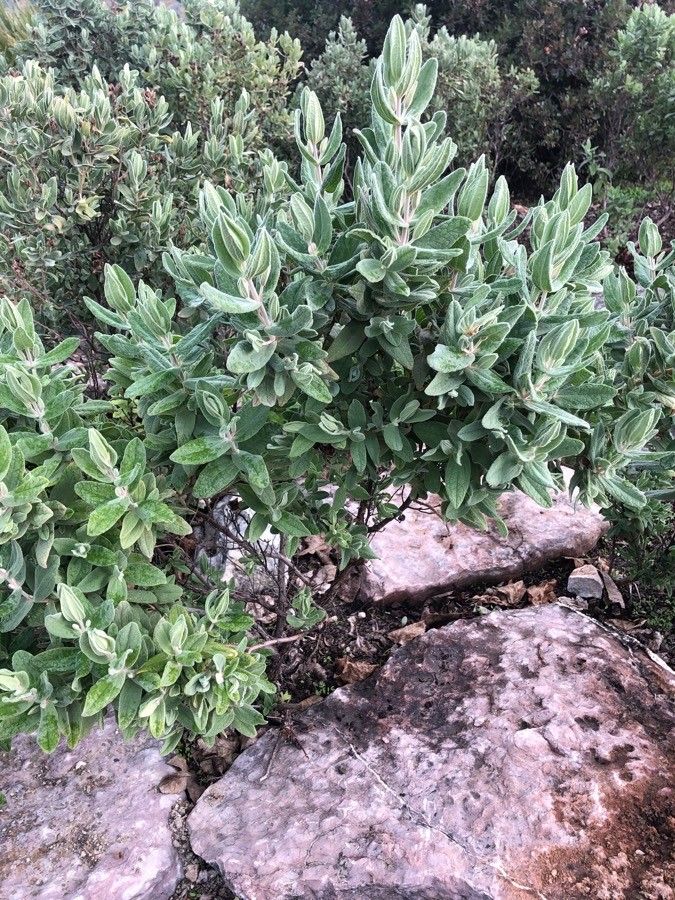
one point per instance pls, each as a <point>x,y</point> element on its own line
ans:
<point>201,450</point>
<point>445,360</point>
<point>541,264</point>
<point>348,341</point>
<point>585,396</point>
<point>128,704</point>
<point>104,517</point>
<point>426,85</point>
<point>119,289</point>
<point>143,574</point>
<point>216,476</point>
<point>246,720</point>
<point>255,470</point>
<point>372,270</point>
<point>314,386</point>
<point>228,303</point>
<point>548,409</point>
<point>437,197</point>
<point>505,469</point>
<point>5,453</point>
<point>48,729</point>
<point>102,693</point>
<point>443,236</point>
<point>457,479</point>
<point>487,381</point>
<point>56,355</point>
<point>244,357</point>
<point>94,493</point>
<point>151,384</point>
<point>623,491</point>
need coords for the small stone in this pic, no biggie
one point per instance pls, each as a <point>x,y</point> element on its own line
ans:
<point>614,595</point>
<point>192,872</point>
<point>586,582</point>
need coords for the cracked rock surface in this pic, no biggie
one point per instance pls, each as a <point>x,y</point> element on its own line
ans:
<point>522,754</point>
<point>451,557</point>
<point>88,823</point>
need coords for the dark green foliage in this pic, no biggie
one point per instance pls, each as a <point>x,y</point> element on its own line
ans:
<point>638,98</point>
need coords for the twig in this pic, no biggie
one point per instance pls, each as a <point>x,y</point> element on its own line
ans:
<point>282,597</point>
<point>278,640</point>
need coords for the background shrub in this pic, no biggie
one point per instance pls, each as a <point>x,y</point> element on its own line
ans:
<point>210,53</point>
<point>638,99</point>
<point>568,46</point>
<point>103,165</point>
<point>98,175</point>
<point>15,19</point>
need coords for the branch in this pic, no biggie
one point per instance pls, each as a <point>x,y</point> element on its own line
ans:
<point>399,512</point>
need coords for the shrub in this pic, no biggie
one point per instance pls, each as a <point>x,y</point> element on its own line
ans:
<point>566,45</point>
<point>211,55</point>
<point>642,539</point>
<point>480,100</point>
<point>325,353</point>
<point>639,97</point>
<point>642,549</point>
<point>97,175</point>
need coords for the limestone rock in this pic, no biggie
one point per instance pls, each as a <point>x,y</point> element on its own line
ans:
<point>88,823</point>
<point>522,754</point>
<point>585,582</point>
<point>423,555</point>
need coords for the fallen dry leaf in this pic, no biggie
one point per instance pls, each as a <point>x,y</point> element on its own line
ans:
<point>540,594</point>
<point>194,789</point>
<point>259,612</point>
<point>178,762</point>
<point>306,703</point>
<point>627,625</point>
<point>315,545</point>
<point>348,586</point>
<point>174,783</point>
<point>353,670</point>
<point>506,594</point>
<point>323,578</point>
<point>408,632</point>
<point>181,780</point>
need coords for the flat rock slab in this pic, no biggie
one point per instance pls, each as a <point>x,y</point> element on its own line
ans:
<point>88,823</point>
<point>424,555</point>
<point>522,754</point>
